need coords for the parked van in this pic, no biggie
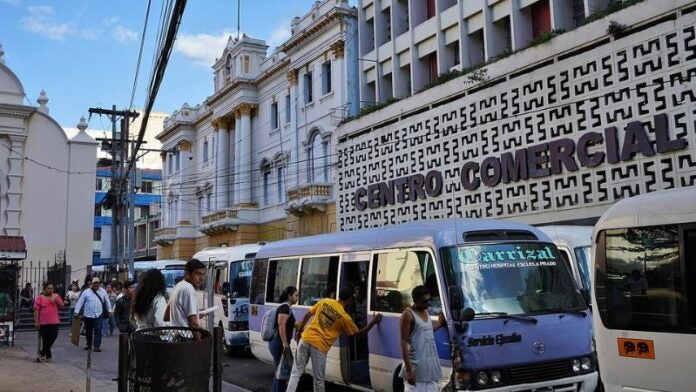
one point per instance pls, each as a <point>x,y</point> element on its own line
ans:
<point>575,245</point>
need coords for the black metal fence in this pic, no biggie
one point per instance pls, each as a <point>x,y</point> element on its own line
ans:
<point>36,273</point>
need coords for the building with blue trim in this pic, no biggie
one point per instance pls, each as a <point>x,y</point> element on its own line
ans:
<point>147,200</point>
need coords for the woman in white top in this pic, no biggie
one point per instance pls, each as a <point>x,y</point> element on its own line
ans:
<point>72,297</point>
<point>149,303</point>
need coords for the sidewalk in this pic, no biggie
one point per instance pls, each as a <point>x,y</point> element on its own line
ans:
<point>20,372</point>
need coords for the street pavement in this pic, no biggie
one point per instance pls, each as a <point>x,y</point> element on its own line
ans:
<point>19,372</point>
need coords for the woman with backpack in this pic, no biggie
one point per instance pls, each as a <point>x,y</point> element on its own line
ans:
<point>285,324</point>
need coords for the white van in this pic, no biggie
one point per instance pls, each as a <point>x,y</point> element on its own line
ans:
<point>229,280</point>
<point>575,244</point>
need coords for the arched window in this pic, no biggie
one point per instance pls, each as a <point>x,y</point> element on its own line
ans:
<point>318,159</point>
<point>227,71</point>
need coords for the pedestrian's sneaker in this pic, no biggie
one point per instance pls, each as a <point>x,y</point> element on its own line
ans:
<point>40,359</point>
<point>97,350</point>
<point>87,348</point>
<point>47,360</point>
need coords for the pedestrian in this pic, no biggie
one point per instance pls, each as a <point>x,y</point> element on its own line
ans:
<point>92,304</point>
<point>421,369</point>
<point>285,323</point>
<point>182,309</point>
<point>46,319</point>
<point>330,320</point>
<point>110,323</point>
<point>73,295</point>
<point>122,309</point>
<point>119,290</point>
<point>150,303</point>
<point>26,297</point>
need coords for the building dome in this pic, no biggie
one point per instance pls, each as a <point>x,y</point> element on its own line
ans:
<point>11,89</point>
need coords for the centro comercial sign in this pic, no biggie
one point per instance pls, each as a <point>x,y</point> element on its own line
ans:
<point>592,149</point>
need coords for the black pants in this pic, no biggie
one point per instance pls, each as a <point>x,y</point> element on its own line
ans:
<point>93,330</point>
<point>49,333</point>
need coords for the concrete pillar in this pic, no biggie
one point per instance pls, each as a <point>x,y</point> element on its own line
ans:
<point>222,159</point>
<point>245,154</point>
<point>236,187</point>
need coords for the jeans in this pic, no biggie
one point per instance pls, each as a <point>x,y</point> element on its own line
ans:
<point>48,333</point>
<point>276,348</point>
<point>109,325</point>
<point>305,351</point>
<point>71,315</point>
<point>93,328</point>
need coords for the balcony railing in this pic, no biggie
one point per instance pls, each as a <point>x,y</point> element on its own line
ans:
<point>218,222</point>
<point>309,197</point>
<point>165,234</point>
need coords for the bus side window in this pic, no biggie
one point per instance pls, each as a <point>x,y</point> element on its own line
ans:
<point>318,279</point>
<point>395,274</point>
<point>258,282</point>
<point>281,274</point>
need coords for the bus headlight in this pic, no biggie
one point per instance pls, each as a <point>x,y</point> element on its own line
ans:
<point>496,376</point>
<point>576,366</point>
<point>585,364</point>
<point>462,379</point>
<point>482,378</point>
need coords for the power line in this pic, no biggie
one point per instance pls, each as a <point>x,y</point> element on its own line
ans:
<point>140,54</point>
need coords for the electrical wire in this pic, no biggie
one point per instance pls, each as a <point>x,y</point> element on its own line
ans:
<point>140,55</point>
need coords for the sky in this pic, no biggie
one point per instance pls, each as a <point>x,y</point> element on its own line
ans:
<point>84,53</point>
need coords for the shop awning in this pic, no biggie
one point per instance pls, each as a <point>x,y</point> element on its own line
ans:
<point>12,247</point>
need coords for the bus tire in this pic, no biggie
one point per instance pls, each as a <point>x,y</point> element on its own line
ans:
<point>398,383</point>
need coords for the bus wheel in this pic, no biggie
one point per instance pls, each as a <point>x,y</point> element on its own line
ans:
<point>398,383</point>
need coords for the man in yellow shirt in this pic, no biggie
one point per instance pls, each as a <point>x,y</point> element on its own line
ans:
<point>330,320</point>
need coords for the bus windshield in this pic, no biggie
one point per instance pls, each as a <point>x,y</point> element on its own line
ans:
<point>512,278</point>
<point>582,253</point>
<point>240,278</point>
<point>172,276</point>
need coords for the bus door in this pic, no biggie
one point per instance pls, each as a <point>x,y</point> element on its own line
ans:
<point>354,351</point>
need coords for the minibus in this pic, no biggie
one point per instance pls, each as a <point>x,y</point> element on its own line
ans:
<point>173,270</point>
<point>574,243</point>
<point>516,319</point>
<point>644,272</point>
<point>229,275</point>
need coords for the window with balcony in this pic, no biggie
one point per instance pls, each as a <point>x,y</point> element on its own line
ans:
<point>308,87</point>
<point>326,78</point>
<point>287,109</point>
<point>274,115</point>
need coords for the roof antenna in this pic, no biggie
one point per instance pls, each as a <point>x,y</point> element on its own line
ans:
<point>239,31</point>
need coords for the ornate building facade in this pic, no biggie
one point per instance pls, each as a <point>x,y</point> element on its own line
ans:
<point>255,161</point>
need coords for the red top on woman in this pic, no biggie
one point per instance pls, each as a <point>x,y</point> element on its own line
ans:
<point>48,309</point>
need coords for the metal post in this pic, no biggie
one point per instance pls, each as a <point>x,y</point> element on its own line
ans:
<point>131,222</point>
<point>88,369</point>
<point>217,359</point>
<point>122,362</point>
<point>210,293</point>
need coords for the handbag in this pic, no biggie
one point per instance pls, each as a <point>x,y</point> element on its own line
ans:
<point>105,310</point>
<point>285,366</point>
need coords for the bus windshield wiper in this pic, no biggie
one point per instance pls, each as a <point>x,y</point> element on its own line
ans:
<point>504,315</point>
<point>578,312</point>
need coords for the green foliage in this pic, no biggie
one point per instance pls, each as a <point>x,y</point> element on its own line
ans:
<point>613,7</point>
<point>616,29</point>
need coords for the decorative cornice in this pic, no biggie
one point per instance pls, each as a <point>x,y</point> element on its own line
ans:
<point>18,111</point>
<point>338,48</point>
<point>185,145</point>
<point>333,15</point>
<point>233,86</point>
<point>223,122</point>
<point>292,77</point>
<point>273,71</point>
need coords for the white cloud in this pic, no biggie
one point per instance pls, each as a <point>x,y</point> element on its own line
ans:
<point>123,34</point>
<point>41,20</point>
<point>10,2</point>
<point>202,48</point>
<point>280,34</point>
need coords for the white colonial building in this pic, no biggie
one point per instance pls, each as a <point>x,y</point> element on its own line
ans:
<point>555,132</point>
<point>255,160</point>
<point>46,179</point>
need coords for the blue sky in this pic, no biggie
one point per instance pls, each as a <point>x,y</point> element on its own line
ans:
<point>83,53</point>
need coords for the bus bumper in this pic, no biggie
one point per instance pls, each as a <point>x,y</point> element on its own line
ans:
<point>582,383</point>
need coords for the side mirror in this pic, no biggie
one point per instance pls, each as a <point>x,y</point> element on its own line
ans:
<point>456,297</point>
<point>468,314</point>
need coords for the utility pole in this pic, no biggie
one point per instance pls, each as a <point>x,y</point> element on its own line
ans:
<point>119,185</point>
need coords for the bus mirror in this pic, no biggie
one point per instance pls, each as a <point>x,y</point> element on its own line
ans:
<point>456,297</point>
<point>468,314</point>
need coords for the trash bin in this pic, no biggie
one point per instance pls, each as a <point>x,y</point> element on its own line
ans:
<point>170,359</point>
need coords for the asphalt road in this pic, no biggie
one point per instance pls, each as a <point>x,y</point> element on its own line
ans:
<point>254,375</point>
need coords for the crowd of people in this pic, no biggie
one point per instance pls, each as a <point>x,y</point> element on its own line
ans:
<point>104,306</point>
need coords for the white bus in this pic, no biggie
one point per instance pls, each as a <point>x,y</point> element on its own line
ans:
<point>645,292</point>
<point>173,270</point>
<point>575,245</point>
<point>531,329</point>
<point>230,279</point>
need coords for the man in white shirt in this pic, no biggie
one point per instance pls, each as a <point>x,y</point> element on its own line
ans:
<point>182,310</point>
<point>91,304</point>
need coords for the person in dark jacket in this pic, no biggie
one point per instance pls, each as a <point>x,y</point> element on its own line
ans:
<point>122,310</point>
